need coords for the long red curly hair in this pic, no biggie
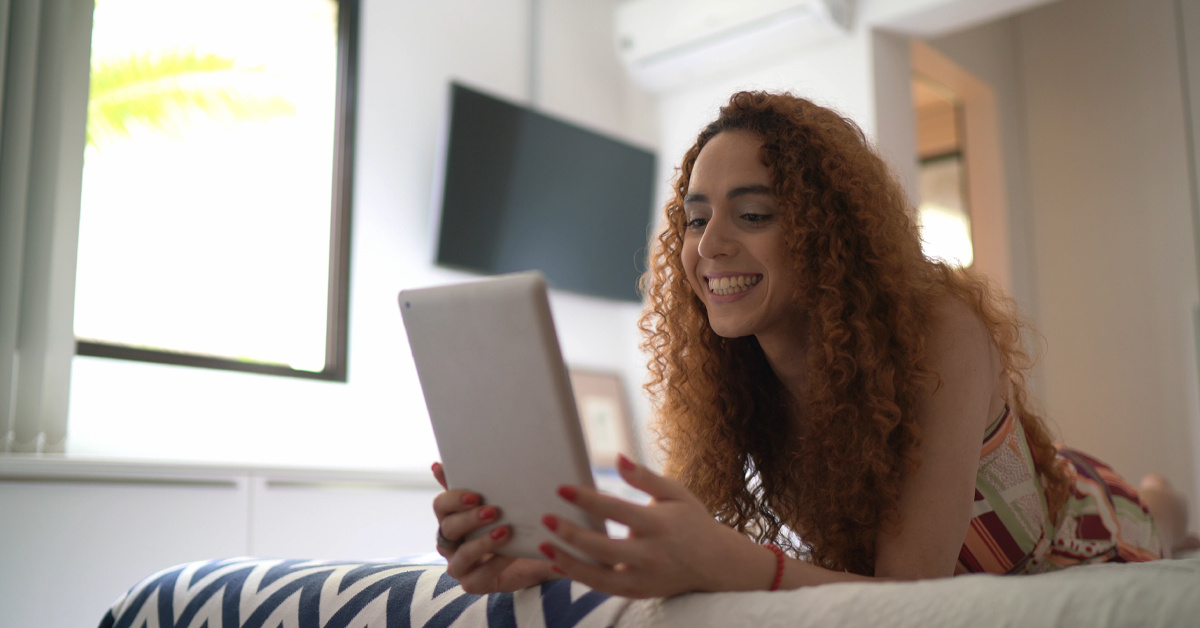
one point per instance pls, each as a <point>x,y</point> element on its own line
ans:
<point>820,484</point>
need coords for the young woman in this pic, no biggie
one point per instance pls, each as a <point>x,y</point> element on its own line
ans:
<point>833,405</point>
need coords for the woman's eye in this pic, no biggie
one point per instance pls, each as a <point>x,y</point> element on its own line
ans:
<point>696,223</point>
<point>756,218</point>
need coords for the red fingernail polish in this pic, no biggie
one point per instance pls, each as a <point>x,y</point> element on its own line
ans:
<point>551,522</point>
<point>470,499</point>
<point>548,550</point>
<point>625,463</point>
<point>433,467</point>
<point>557,570</point>
<point>568,492</point>
<point>498,533</point>
<point>487,512</point>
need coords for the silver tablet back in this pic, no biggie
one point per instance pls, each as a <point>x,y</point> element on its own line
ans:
<point>500,400</point>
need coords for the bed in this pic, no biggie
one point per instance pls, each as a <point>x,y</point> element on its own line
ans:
<point>269,593</point>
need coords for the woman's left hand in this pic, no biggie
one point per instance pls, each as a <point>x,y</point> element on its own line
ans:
<point>674,545</point>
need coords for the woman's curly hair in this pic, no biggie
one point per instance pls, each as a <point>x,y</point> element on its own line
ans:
<point>820,484</point>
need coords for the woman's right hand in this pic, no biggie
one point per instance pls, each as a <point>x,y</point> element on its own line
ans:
<point>473,562</point>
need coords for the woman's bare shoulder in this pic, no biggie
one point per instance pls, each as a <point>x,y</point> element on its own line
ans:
<point>958,339</point>
<point>956,324</point>
<point>959,345</point>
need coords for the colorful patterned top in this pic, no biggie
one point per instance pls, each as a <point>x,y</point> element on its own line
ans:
<point>1010,532</point>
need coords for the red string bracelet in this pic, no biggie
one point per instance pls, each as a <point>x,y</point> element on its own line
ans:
<point>778,566</point>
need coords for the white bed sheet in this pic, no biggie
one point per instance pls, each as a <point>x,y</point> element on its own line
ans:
<point>1162,593</point>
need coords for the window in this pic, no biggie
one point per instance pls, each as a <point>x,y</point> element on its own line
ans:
<point>214,227</point>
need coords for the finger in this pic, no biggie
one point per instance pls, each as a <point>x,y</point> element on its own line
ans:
<point>606,506</point>
<point>595,544</point>
<point>439,474</point>
<point>458,525</point>
<point>599,577</point>
<point>449,502</point>
<point>464,560</point>
<point>659,487</point>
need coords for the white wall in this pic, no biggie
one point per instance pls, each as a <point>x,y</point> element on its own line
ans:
<point>408,53</point>
<point>581,77</point>
<point>1115,256</point>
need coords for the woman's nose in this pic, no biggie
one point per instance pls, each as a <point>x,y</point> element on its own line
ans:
<point>717,240</point>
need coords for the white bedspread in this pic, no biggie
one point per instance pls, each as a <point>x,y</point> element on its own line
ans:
<point>1162,593</point>
<point>268,593</point>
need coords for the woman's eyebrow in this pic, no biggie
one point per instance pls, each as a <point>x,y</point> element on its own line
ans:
<point>747,189</point>
<point>742,190</point>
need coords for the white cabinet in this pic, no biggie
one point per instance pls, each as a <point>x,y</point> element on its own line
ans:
<point>340,520</point>
<point>76,534</point>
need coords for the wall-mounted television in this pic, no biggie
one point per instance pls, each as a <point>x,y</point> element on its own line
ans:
<point>521,190</point>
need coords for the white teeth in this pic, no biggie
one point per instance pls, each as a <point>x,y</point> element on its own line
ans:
<point>732,285</point>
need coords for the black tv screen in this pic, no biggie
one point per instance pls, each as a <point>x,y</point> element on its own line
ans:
<point>524,191</point>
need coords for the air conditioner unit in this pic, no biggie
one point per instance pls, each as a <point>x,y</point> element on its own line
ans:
<point>667,44</point>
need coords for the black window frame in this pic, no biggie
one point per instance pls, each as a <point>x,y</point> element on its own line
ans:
<point>338,298</point>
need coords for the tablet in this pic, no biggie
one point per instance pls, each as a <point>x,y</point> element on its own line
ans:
<point>500,401</point>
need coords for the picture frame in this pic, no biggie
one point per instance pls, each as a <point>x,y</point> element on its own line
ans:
<point>604,415</point>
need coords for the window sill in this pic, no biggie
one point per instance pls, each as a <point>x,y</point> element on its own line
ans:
<point>70,469</point>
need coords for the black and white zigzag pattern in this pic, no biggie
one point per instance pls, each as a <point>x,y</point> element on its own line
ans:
<point>261,593</point>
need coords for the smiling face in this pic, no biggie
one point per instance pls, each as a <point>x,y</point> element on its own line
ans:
<point>734,252</point>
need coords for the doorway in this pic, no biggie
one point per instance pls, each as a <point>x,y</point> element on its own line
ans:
<point>944,213</point>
